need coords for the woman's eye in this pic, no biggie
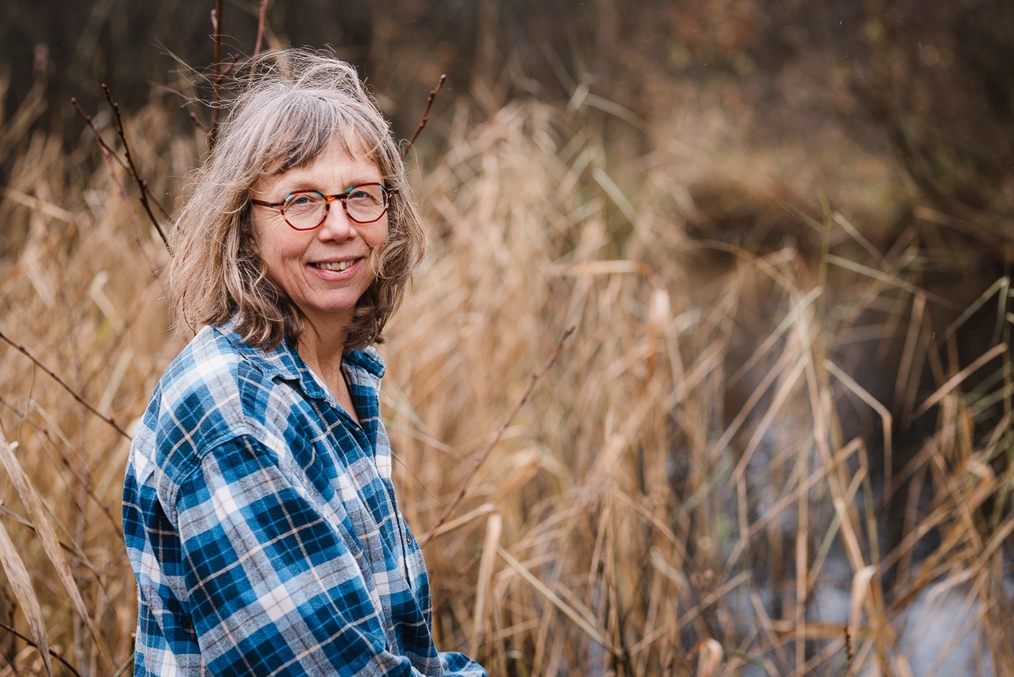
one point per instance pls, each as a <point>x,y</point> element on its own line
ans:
<point>366,194</point>
<point>300,201</point>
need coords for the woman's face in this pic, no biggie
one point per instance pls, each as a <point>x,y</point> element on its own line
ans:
<point>324,271</point>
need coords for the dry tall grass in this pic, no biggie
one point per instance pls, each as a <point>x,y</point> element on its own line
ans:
<point>682,494</point>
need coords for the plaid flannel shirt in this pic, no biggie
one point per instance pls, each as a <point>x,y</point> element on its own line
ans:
<point>262,526</point>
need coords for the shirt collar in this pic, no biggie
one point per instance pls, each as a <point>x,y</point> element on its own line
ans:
<point>285,363</point>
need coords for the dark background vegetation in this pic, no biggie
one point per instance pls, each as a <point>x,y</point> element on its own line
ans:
<point>900,112</point>
<point>928,86</point>
<point>931,80</point>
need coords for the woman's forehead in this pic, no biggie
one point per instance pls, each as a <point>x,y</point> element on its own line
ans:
<point>333,170</point>
<point>340,148</point>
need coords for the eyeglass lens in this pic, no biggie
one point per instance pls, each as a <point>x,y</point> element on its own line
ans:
<point>364,204</point>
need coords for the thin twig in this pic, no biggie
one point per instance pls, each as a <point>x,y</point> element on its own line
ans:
<point>496,438</point>
<point>848,649</point>
<point>141,183</point>
<point>216,82</point>
<point>24,351</point>
<point>139,238</point>
<point>25,418</point>
<point>260,36</point>
<point>425,115</point>
<point>198,124</point>
<point>110,156</point>
<point>452,588</point>
<point>126,664</point>
<point>103,146</point>
<point>260,28</point>
<point>33,644</point>
<point>233,60</point>
<point>145,189</point>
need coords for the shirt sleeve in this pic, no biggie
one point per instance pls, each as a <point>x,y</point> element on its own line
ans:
<point>273,586</point>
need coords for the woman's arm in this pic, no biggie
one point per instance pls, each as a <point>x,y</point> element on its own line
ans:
<point>274,587</point>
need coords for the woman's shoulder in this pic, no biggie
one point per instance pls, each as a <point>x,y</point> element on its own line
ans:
<point>209,373</point>
<point>211,359</point>
<point>217,389</point>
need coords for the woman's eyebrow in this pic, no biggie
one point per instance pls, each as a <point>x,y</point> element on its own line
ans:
<point>306,183</point>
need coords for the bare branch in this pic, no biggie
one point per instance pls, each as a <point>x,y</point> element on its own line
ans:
<point>260,32</point>
<point>261,15</point>
<point>52,652</point>
<point>216,83</point>
<point>24,351</point>
<point>198,123</point>
<point>425,115</point>
<point>110,156</point>
<point>141,183</point>
<point>41,428</point>
<point>499,433</point>
<point>106,150</point>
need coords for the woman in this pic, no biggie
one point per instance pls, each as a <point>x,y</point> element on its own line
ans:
<point>259,513</point>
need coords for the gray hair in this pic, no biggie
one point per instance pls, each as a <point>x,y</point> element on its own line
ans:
<point>296,104</point>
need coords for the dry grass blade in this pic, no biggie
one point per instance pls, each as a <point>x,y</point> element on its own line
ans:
<point>609,268</point>
<point>21,586</point>
<point>781,395</point>
<point>887,421</point>
<point>458,522</point>
<point>43,207</point>
<point>818,475</point>
<point>909,350</point>
<point>63,384</point>
<point>758,392</point>
<point>496,438</point>
<point>494,527</point>
<point>586,626</point>
<point>25,265</point>
<point>860,589</point>
<point>783,326</point>
<point>958,378</point>
<point>690,616</point>
<point>47,535</point>
<point>858,237</point>
<point>891,280</point>
<point>709,658</point>
<point>15,127</point>
<point>1001,285</point>
<point>659,562</point>
<point>620,200</point>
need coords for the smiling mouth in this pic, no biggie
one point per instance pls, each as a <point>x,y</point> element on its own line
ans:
<point>334,265</point>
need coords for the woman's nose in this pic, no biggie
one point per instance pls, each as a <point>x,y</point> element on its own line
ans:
<point>337,224</point>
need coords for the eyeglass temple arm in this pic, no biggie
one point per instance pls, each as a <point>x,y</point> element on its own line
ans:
<point>262,203</point>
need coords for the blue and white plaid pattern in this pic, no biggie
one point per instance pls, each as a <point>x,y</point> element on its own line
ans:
<point>262,526</point>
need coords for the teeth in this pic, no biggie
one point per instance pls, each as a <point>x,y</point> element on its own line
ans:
<point>336,266</point>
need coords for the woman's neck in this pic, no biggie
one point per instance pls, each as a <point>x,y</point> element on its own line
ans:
<point>322,353</point>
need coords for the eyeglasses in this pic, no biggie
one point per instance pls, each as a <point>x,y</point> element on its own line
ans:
<point>307,209</point>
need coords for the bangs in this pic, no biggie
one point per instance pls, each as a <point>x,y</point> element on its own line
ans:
<point>308,122</point>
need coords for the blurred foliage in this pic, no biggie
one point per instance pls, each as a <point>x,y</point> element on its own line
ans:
<point>754,155</point>
<point>936,78</point>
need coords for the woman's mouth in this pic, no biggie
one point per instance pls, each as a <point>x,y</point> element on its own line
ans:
<point>335,266</point>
